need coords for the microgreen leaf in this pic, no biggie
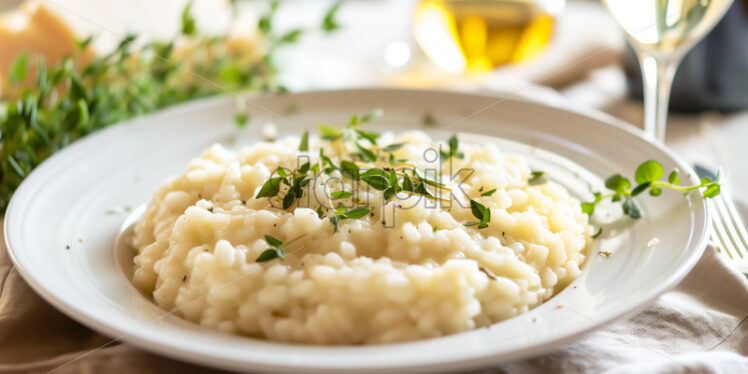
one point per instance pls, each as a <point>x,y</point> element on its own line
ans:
<point>649,171</point>
<point>617,183</point>
<point>712,191</point>
<point>673,177</point>
<point>588,208</point>
<point>640,188</point>
<point>631,208</point>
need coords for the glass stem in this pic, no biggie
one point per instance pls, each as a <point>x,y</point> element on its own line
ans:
<point>658,80</point>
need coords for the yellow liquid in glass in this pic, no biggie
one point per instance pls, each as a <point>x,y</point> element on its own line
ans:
<point>478,35</point>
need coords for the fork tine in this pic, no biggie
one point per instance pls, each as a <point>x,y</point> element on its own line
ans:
<point>739,224</point>
<point>719,233</point>
<point>730,225</point>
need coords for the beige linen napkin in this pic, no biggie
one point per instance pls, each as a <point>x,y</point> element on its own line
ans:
<point>698,327</point>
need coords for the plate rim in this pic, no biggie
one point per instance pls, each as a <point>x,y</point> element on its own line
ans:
<point>698,241</point>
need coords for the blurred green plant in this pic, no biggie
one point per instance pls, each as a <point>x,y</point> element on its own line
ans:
<point>80,95</point>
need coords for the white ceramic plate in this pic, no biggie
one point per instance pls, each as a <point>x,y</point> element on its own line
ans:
<point>68,200</point>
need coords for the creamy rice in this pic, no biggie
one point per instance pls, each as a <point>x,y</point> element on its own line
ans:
<point>409,270</point>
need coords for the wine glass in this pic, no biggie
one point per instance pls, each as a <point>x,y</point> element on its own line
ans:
<point>661,32</point>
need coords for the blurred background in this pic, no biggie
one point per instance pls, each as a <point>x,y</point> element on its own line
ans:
<point>568,53</point>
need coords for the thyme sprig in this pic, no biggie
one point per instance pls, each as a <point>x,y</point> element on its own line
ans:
<point>341,213</point>
<point>453,151</point>
<point>277,248</point>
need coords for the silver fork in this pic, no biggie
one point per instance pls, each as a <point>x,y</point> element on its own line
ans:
<point>728,229</point>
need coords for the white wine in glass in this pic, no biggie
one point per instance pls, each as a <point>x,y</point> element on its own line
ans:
<point>661,32</point>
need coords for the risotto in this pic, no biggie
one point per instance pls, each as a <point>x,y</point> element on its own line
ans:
<point>384,238</point>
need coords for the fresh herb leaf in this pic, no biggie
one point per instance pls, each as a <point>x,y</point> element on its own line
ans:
<point>241,119</point>
<point>273,241</point>
<point>349,169</point>
<point>328,132</point>
<point>640,188</point>
<point>270,188</point>
<point>537,178</point>
<point>631,208</point>
<point>374,114</point>
<point>189,27</point>
<point>712,191</point>
<point>366,154</point>
<point>19,68</point>
<point>288,199</point>
<point>341,194</point>
<point>393,147</point>
<point>480,212</point>
<point>271,254</point>
<point>304,145</point>
<point>368,135</point>
<point>356,213</point>
<point>673,177</point>
<point>649,171</point>
<point>489,193</point>
<point>377,182</point>
<point>329,23</point>
<point>453,151</point>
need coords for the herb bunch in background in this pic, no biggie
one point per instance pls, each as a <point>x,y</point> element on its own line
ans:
<point>78,96</point>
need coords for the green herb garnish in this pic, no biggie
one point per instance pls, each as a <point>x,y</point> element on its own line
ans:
<point>489,192</point>
<point>537,178</point>
<point>277,248</point>
<point>329,23</point>
<point>304,145</point>
<point>453,151</point>
<point>341,214</point>
<point>480,212</point>
<point>647,177</point>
